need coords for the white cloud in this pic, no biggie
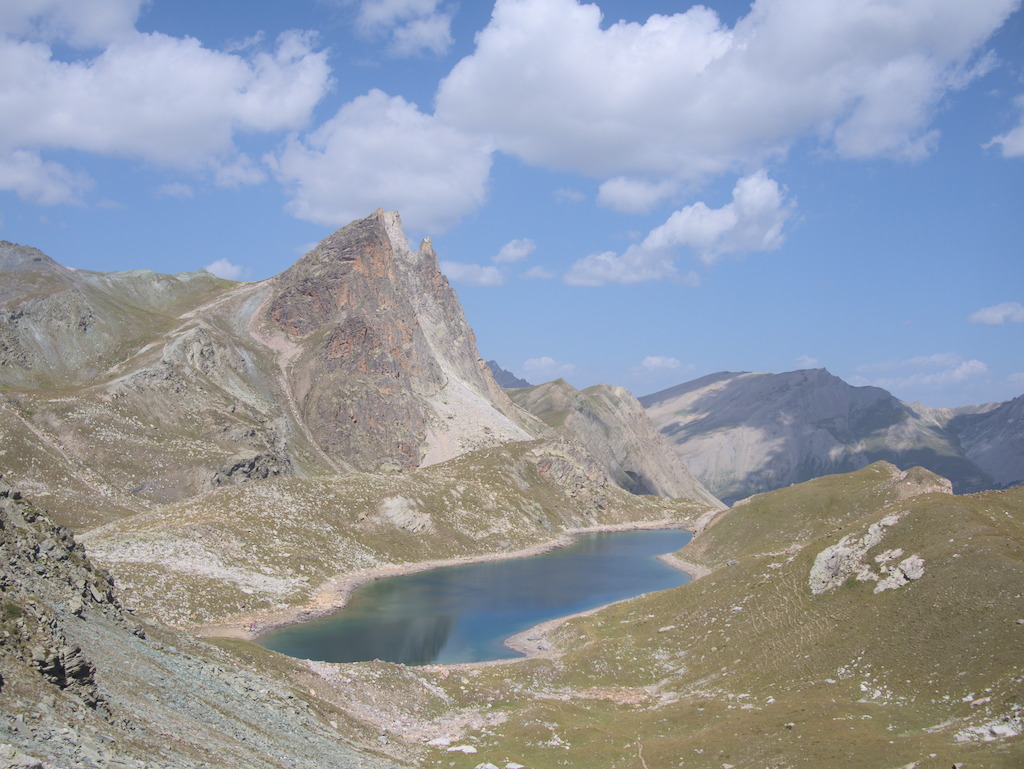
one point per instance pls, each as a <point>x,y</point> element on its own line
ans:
<point>472,274</point>
<point>547,368</point>
<point>569,195</point>
<point>222,268</point>
<point>162,99</point>
<point>175,190</point>
<point>432,34</point>
<point>806,361</point>
<point>634,196</point>
<point>82,23</point>
<point>31,178</point>
<point>683,96</point>
<point>241,171</point>
<point>996,315</point>
<point>381,151</point>
<point>413,26</point>
<point>1011,143</point>
<point>753,221</point>
<point>925,371</point>
<point>515,251</point>
<point>539,273</point>
<point>660,363</point>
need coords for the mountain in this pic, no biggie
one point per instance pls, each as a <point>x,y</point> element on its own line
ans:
<point>357,358</point>
<point>745,433</point>
<point>994,440</point>
<point>613,427</point>
<point>506,379</point>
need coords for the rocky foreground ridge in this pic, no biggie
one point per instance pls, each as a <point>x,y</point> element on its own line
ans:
<point>84,683</point>
<point>745,433</point>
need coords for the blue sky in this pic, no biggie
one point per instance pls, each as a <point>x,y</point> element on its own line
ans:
<point>637,193</point>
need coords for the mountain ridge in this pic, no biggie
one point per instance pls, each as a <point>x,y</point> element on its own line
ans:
<point>744,433</point>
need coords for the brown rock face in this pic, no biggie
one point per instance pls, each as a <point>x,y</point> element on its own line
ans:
<point>379,337</point>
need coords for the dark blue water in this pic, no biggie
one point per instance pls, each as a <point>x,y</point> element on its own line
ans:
<point>465,613</point>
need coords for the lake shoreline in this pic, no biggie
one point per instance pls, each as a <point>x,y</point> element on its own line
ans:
<point>335,593</point>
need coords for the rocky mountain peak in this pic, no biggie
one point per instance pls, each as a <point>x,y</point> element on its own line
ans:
<point>17,257</point>
<point>384,349</point>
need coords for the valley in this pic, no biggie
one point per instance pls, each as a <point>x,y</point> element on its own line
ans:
<point>188,461</point>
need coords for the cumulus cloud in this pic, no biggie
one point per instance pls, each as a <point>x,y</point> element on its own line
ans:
<point>925,371</point>
<point>807,361</point>
<point>546,368</point>
<point>175,190</point>
<point>82,23</point>
<point>47,183</point>
<point>1011,143</point>
<point>472,274</point>
<point>752,221</point>
<point>491,275</point>
<point>412,26</point>
<point>381,151</point>
<point>515,251</point>
<point>149,96</point>
<point>539,273</point>
<point>569,195</point>
<point>660,363</point>
<point>634,196</point>
<point>998,314</point>
<point>222,268</point>
<point>238,172</point>
<point>684,95</point>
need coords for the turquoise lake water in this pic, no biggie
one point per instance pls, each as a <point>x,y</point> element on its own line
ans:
<point>465,613</point>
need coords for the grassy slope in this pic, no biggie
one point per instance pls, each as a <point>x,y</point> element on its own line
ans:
<point>268,545</point>
<point>748,667</point>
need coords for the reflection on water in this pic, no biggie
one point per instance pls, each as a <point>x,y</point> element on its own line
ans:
<point>464,613</point>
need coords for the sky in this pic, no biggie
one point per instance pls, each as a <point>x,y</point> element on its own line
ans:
<point>630,192</point>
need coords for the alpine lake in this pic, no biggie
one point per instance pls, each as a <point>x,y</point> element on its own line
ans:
<point>465,613</point>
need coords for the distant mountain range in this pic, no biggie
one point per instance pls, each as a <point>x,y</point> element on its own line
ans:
<point>745,433</point>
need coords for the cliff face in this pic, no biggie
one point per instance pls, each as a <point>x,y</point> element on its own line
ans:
<point>380,356</point>
<point>614,428</point>
<point>744,433</point>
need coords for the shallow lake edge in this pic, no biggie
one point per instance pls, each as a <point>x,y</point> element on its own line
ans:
<point>334,594</point>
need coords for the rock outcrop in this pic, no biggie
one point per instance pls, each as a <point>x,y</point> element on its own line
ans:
<point>85,683</point>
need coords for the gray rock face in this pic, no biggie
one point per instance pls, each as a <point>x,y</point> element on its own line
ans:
<point>83,683</point>
<point>614,428</point>
<point>994,440</point>
<point>742,434</point>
